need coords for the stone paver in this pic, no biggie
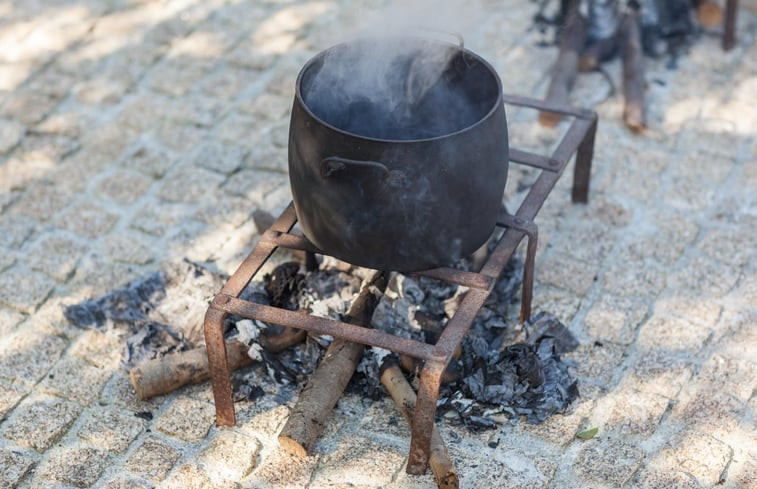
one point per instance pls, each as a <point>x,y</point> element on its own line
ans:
<point>88,220</point>
<point>153,459</point>
<point>187,419</point>
<point>13,466</point>
<point>24,291</point>
<point>79,467</point>
<point>193,477</point>
<point>110,429</point>
<point>40,423</point>
<point>700,455</point>
<point>15,230</point>
<point>230,455</point>
<point>28,356</point>
<point>518,469</point>
<point>609,461</point>
<point>9,397</point>
<point>136,134</point>
<point>56,256</point>
<point>370,463</point>
<point>77,380</point>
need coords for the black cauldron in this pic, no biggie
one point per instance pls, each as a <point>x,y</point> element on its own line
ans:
<point>398,152</point>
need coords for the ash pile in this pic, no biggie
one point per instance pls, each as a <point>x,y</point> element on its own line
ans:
<point>501,372</point>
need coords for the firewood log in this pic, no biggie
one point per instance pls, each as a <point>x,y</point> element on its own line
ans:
<point>441,465</point>
<point>326,385</point>
<point>634,111</point>
<point>566,67</point>
<point>166,374</point>
<point>709,13</point>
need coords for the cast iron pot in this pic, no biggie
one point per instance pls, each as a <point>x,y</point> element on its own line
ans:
<point>398,152</point>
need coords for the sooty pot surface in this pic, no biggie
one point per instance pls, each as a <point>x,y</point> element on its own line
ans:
<point>398,152</point>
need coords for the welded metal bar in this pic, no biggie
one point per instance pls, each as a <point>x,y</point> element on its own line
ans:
<point>321,325</point>
<point>471,280</point>
<point>290,241</point>
<point>544,184</point>
<point>549,106</point>
<point>459,324</point>
<point>260,253</point>
<point>536,197</point>
<point>219,367</point>
<point>423,418</point>
<point>729,24</point>
<point>582,170</point>
<point>534,160</point>
<point>532,233</point>
<point>428,389</point>
<point>311,262</point>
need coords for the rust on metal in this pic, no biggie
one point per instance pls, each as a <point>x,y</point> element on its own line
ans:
<point>321,325</point>
<point>578,140</point>
<point>729,24</point>
<point>532,233</point>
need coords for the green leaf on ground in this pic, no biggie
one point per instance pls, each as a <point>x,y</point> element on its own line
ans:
<point>588,434</point>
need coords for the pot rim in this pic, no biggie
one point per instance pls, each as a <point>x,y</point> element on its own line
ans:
<point>495,106</point>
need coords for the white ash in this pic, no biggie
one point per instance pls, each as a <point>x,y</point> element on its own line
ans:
<point>153,315</point>
<point>395,312</point>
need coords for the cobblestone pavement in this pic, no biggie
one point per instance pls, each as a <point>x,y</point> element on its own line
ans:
<point>136,133</point>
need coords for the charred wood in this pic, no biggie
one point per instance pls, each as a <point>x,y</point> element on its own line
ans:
<point>709,13</point>
<point>326,385</point>
<point>634,111</point>
<point>566,67</point>
<point>404,398</point>
<point>166,374</point>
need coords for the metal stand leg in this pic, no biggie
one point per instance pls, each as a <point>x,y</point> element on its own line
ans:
<point>219,367</point>
<point>423,418</point>
<point>582,170</point>
<point>532,233</point>
<point>311,262</point>
<point>729,24</point>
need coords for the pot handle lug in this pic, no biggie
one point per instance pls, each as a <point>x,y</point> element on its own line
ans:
<point>332,165</point>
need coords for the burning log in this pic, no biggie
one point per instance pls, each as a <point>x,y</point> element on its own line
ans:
<point>318,398</point>
<point>166,374</point>
<point>566,67</point>
<point>634,112</point>
<point>441,465</point>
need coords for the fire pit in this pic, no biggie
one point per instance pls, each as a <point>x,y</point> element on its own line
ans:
<point>578,140</point>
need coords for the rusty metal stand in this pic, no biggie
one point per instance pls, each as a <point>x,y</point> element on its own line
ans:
<point>579,140</point>
<point>729,24</point>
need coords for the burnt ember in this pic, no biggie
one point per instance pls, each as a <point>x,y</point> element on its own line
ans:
<point>527,379</point>
<point>503,372</point>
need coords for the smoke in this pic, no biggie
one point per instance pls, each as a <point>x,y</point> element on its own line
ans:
<point>396,75</point>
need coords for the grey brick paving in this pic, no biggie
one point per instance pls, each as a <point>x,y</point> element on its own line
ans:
<point>40,423</point>
<point>13,466</point>
<point>186,419</point>
<point>153,459</point>
<point>134,134</point>
<point>27,356</point>
<point>109,429</point>
<point>77,380</point>
<point>79,467</point>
